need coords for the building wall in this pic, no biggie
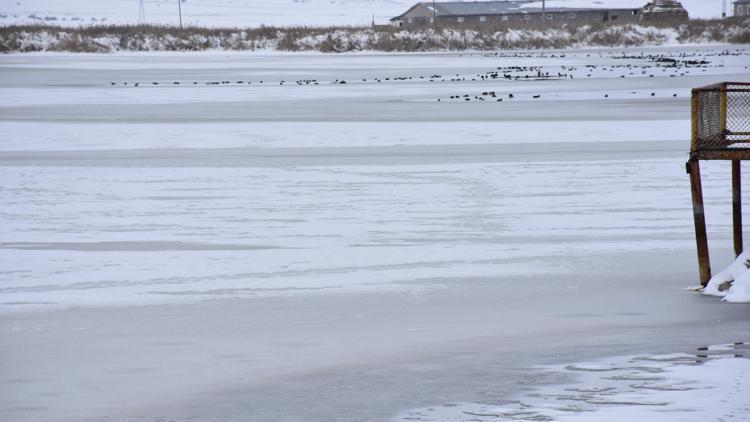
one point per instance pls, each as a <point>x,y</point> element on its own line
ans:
<point>419,16</point>
<point>742,9</point>
<point>417,19</point>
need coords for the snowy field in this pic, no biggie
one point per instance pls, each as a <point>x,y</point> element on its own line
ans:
<point>245,13</point>
<point>244,237</point>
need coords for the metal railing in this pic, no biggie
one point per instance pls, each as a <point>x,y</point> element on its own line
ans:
<point>721,122</point>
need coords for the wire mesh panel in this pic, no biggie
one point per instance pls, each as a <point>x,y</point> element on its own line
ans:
<point>721,121</point>
<point>738,113</point>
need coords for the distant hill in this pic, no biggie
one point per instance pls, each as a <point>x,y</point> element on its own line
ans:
<point>253,13</point>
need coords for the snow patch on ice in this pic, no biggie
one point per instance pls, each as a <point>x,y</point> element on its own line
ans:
<point>660,387</point>
<point>733,284</point>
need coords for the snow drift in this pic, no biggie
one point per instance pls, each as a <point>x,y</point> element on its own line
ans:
<point>733,284</point>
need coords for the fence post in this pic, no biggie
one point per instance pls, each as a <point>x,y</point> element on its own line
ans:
<point>737,205</point>
<point>701,238</point>
<point>723,109</point>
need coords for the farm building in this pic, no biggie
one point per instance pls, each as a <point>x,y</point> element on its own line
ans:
<point>742,8</point>
<point>515,14</point>
<point>663,11</point>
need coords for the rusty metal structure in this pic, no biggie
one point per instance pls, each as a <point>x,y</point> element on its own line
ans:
<point>720,131</point>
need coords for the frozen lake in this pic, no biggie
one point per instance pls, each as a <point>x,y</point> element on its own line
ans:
<point>245,237</point>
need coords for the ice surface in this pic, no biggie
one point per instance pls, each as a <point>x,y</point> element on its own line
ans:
<point>657,388</point>
<point>175,193</point>
<point>341,252</point>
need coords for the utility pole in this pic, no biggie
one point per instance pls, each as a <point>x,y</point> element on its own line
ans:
<point>724,10</point>
<point>544,13</point>
<point>434,14</point>
<point>179,6</point>
<point>141,13</point>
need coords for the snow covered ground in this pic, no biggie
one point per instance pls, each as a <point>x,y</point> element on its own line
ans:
<point>207,246</point>
<point>244,13</point>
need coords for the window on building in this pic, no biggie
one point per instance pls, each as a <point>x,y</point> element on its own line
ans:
<point>460,19</point>
<point>483,19</point>
<point>504,18</point>
<point>549,16</point>
<point>409,20</point>
<point>614,17</point>
<point>571,15</point>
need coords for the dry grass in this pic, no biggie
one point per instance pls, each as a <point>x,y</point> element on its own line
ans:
<point>109,38</point>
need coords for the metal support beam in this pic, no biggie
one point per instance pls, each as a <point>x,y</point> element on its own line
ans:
<point>725,154</point>
<point>737,205</point>
<point>701,237</point>
<point>723,111</point>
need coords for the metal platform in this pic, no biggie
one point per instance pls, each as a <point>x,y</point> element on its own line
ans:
<point>721,131</point>
<point>721,122</point>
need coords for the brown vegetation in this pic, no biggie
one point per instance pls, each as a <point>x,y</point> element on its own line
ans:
<point>104,39</point>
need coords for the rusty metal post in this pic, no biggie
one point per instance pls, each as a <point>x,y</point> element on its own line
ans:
<point>737,205</point>
<point>723,109</point>
<point>701,238</point>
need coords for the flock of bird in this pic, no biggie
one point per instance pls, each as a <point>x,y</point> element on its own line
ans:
<point>651,65</point>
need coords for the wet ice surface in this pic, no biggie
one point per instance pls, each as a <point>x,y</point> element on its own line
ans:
<point>710,384</point>
<point>341,251</point>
